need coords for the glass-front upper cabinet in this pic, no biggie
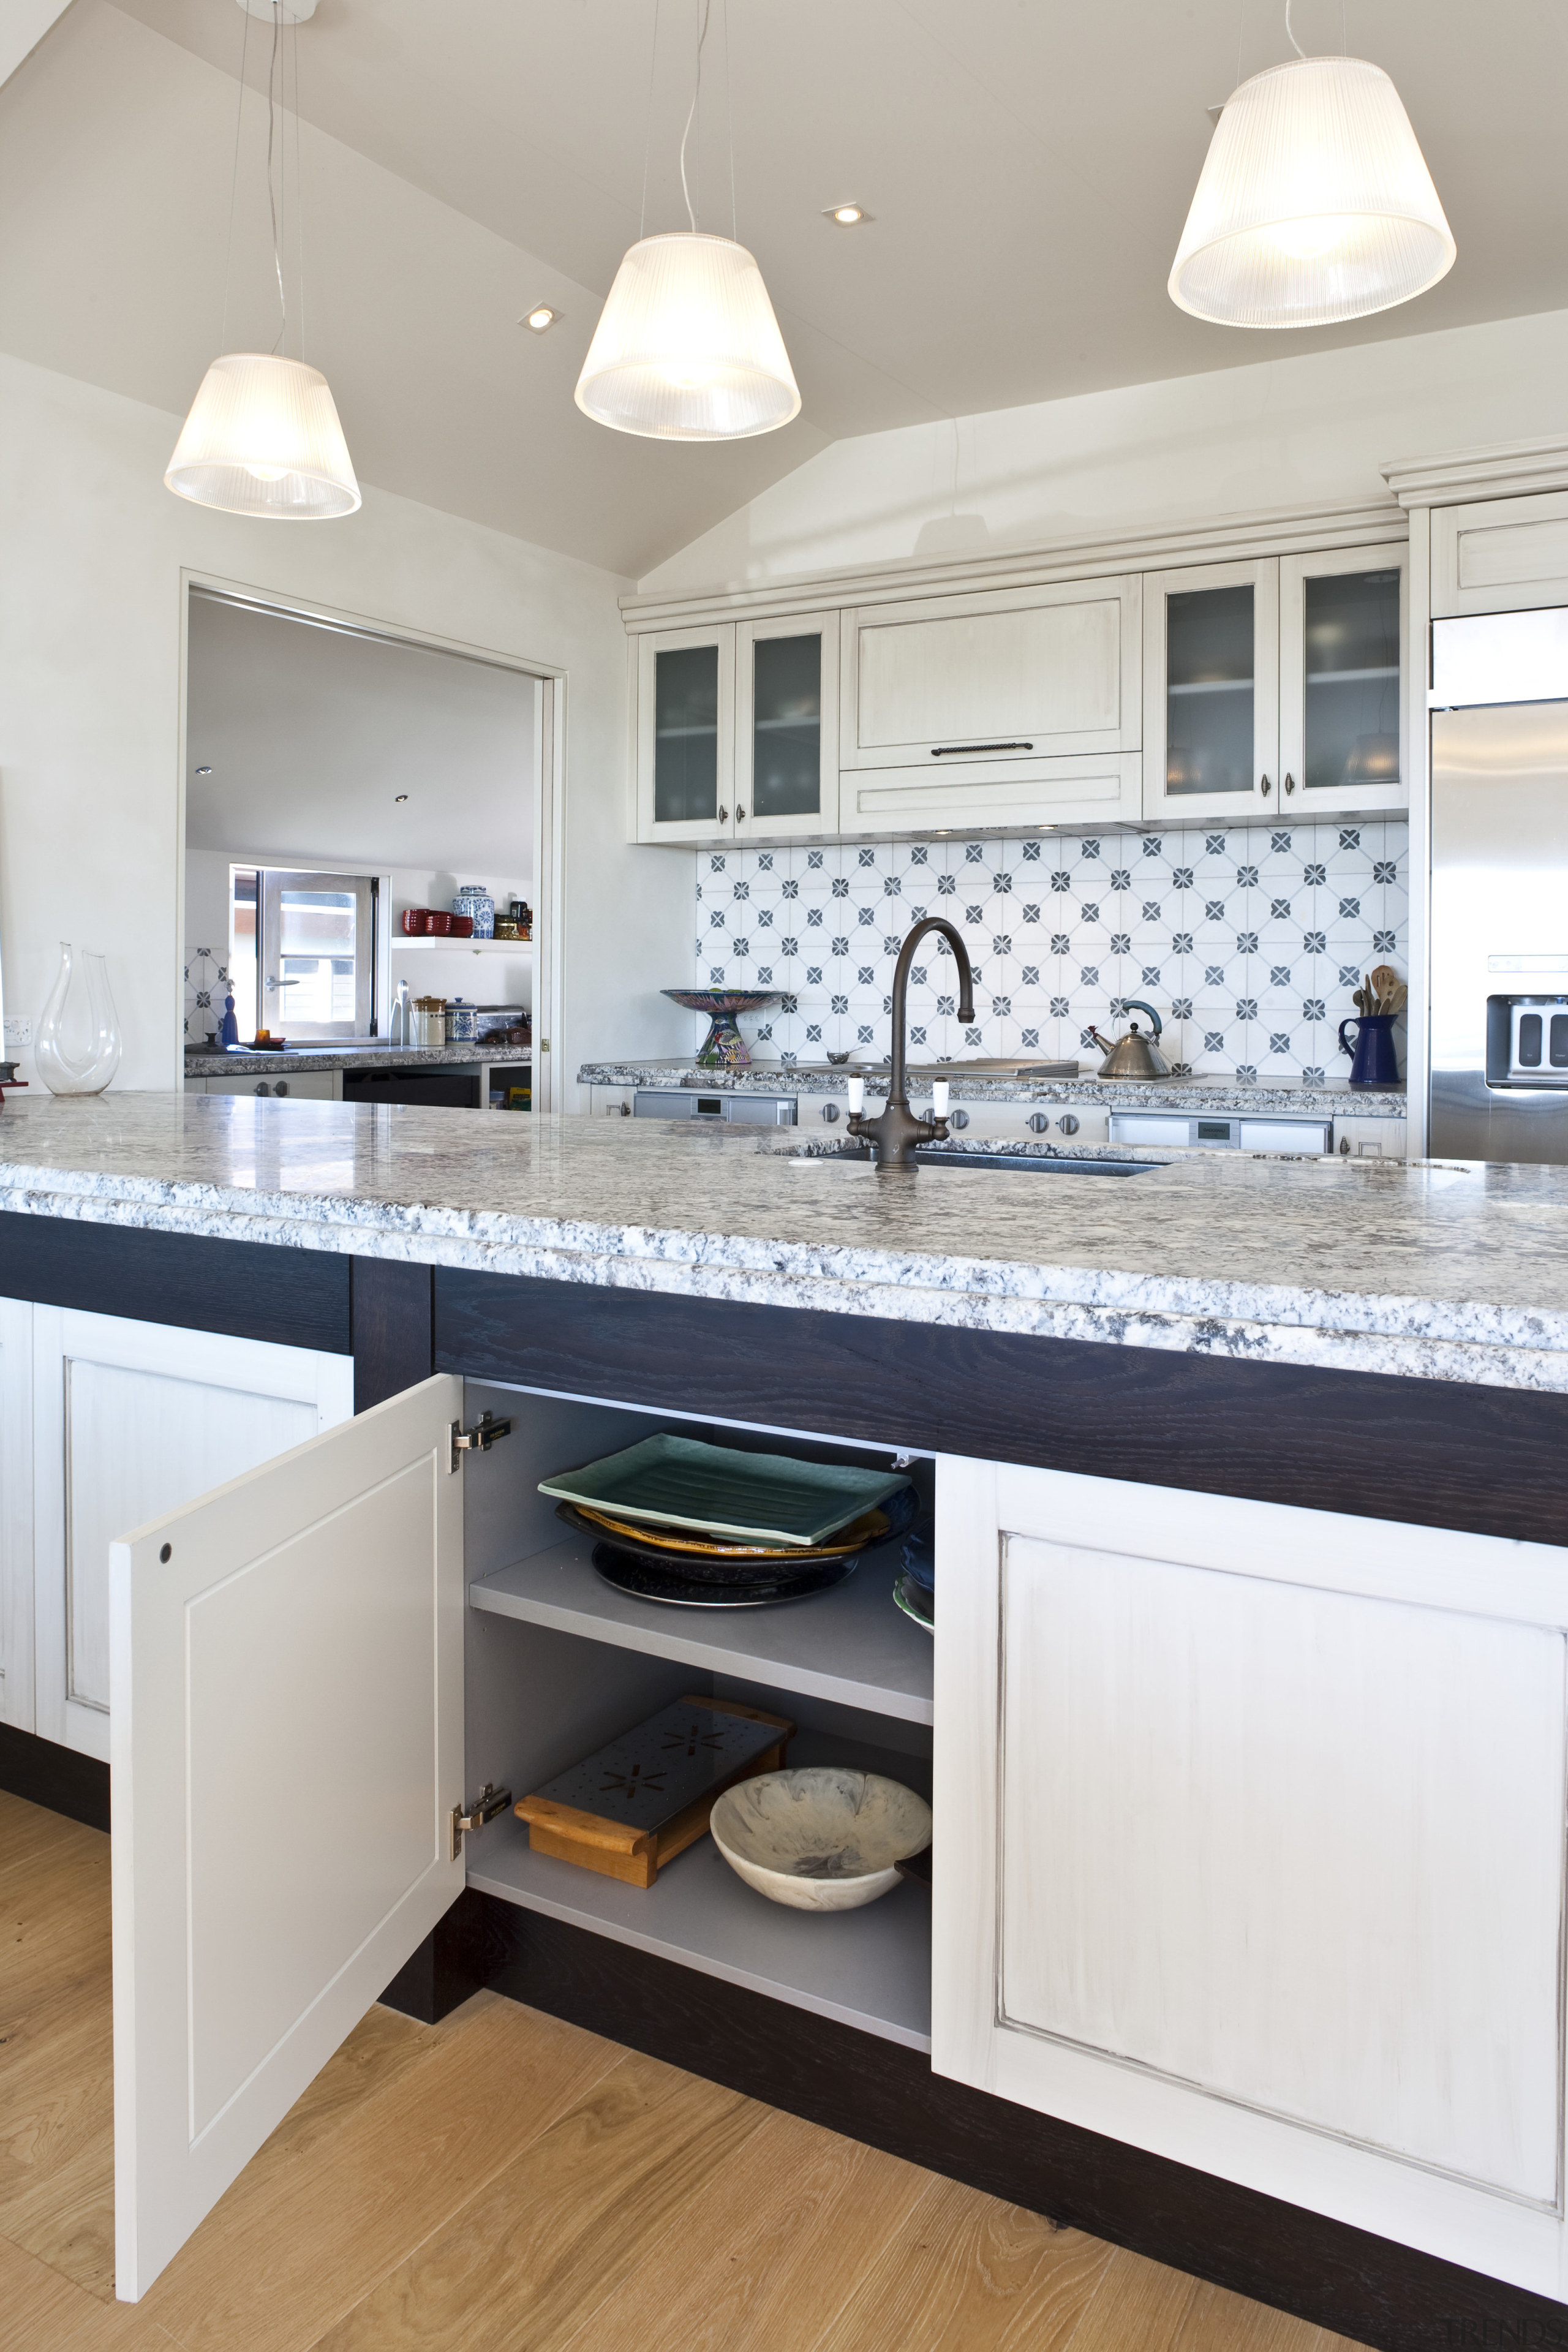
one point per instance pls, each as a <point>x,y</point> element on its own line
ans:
<point>1344,728</point>
<point>786,727</point>
<point>686,734</point>
<point>1211,691</point>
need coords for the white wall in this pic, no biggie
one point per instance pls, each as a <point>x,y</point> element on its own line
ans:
<point>89,710</point>
<point>1286,432</point>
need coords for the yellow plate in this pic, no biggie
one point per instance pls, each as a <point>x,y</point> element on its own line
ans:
<point>865,1530</point>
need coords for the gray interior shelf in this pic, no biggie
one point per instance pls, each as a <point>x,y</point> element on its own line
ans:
<point>851,1645</point>
<point>869,1968</point>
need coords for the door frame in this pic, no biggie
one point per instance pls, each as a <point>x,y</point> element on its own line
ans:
<point>549,799</point>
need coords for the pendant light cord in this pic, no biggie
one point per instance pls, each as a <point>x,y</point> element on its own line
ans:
<point>1291,31</point>
<point>730,128</point>
<point>648,124</point>
<point>271,191</point>
<point>233,182</point>
<point>692,114</point>
<point>298,194</point>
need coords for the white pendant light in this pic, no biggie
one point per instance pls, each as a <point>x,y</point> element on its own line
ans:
<point>263,437</point>
<point>1314,204</point>
<point>687,347</point>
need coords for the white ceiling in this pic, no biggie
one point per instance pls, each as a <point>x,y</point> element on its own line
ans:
<point>1027,167</point>
<point>312,734</point>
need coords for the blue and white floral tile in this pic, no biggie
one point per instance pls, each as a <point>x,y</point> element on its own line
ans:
<point>206,985</point>
<point>1248,940</point>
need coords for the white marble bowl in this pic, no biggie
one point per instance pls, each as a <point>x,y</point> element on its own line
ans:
<point>820,1839</point>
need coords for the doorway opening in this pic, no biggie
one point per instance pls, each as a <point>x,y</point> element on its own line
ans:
<point>343,787</point>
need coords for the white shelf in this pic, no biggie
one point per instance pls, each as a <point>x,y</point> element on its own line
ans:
<point>852,1645</point>
<point>424,946</point>
<point>868,1969</point>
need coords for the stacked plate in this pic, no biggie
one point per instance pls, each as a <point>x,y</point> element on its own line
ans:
<point>708,1526</point>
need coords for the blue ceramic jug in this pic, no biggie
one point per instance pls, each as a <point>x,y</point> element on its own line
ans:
<point>1373,1060</point>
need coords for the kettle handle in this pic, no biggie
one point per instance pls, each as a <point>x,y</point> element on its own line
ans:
<point>1136,1005</point>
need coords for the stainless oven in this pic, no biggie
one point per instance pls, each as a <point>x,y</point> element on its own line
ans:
<point>717,1108</point>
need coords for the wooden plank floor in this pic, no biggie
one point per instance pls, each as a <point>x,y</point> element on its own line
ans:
<point>505,2181</point>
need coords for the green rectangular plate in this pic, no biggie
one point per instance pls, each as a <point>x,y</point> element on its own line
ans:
<point>678,1482</point>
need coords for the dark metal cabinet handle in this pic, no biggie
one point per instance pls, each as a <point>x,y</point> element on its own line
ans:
<point>724,817</point>
<point>1267,788</point>
<point>1289,784</point>
<point>963,751</point>
<point>740,816</point>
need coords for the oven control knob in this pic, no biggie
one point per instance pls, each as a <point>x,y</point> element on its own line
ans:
<point>282,1087</point>
<point>830,1112</point>
<point>959,1118</point>
<point>1069,1122</point>
<point>262,1088</point>
<point>1037,1121</point>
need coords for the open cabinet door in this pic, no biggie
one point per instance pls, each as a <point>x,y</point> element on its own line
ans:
<point>286,1668</point>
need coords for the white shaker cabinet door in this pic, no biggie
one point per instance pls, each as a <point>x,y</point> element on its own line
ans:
<point>287,1675</point>
<point>130,1419</point>
<point>17,1663</point>
<point>1251,1847</point>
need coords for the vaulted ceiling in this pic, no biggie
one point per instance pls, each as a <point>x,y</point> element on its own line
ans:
<point>1027,166</point>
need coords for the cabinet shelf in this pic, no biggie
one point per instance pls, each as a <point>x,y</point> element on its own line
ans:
<point>403,945</point>
<point>851,1645</point>
<point>868,1969</point>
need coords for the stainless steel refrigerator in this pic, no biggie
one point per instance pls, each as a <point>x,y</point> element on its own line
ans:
<point>1499,888</point>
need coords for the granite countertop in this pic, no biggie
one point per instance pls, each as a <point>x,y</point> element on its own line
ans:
<point>1224,1093</point>
<point>199,1063</point>
<point>1435,1270</point>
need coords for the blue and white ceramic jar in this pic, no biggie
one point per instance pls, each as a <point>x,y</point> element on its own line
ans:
<point>474,899</point>
<point>462,1020</point>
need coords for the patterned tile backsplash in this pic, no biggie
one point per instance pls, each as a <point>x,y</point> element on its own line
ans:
<point>1248,942</point>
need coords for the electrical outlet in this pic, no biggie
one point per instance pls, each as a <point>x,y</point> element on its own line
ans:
<point>18,1029</point>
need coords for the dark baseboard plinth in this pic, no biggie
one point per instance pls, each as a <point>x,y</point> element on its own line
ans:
<point>57,1778</point>
<point>1359,2286</point>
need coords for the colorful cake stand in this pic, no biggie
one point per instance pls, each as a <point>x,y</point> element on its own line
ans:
<point>723,1048</point>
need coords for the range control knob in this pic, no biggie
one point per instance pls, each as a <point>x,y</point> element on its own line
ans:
<point>1069,1122</point>
<point>262,1088</point>
<point>1037,1121</point>
<point>830,1112</point>
<point>282,1087</point>
<point>959,1118</point>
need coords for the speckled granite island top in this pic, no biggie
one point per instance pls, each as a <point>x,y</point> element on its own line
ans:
<point>242,1063</point>
<point>1433,1270</point>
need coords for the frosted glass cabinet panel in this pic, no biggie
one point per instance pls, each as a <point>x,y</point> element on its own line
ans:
<point>786,726</point>
<point>1210,674</point>
<point>686,734</point>
<point>1342,726</point>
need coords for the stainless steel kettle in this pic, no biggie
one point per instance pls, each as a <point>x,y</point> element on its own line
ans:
<point>1134,1055</point>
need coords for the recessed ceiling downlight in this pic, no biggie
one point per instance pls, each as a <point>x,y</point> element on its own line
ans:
<point>846,215</point>
<point>542,318</point>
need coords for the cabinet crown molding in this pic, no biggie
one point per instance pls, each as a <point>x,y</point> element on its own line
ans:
<point>1276,530</point>
<point>1504,469</point>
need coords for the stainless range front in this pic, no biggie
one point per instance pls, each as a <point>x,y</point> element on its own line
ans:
<point>1499,888</point>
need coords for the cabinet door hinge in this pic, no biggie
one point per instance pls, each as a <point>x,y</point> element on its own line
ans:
<point>490,1802</point>
<point>477,1440</point>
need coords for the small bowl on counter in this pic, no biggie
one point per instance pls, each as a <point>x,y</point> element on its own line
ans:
<point>822,1837</point>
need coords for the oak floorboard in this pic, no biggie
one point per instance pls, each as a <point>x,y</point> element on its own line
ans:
<point>335,2201</point>
<point>531,2259</point>
<point>1216,2321</point>
<point>30,1833</point>
<point>761,2259</point>
<point>42,2311</point>
<point>967,2273</point>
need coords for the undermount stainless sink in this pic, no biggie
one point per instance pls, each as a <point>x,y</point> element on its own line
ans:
<point>1034,1163</point>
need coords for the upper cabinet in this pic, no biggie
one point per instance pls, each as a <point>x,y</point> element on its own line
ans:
<point>1211,691</point>
<point>1274,688</point>
<point>1499,555</point>
<point>737,730</point>
<point>786,727</point>
<point>686,734</point>
<point>1003,707</point>
<point>1342,723</point>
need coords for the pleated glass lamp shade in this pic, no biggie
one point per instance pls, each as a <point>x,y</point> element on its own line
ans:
<point>263,439</point>
<point>687,347</point>
<point>1314,203</point>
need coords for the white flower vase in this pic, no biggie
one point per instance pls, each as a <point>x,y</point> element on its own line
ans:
<point>94,1024</point>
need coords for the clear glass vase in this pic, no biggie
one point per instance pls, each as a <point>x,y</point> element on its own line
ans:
<point>86,1064</point>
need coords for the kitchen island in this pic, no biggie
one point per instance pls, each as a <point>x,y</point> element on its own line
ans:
<point>1246,1724</point>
